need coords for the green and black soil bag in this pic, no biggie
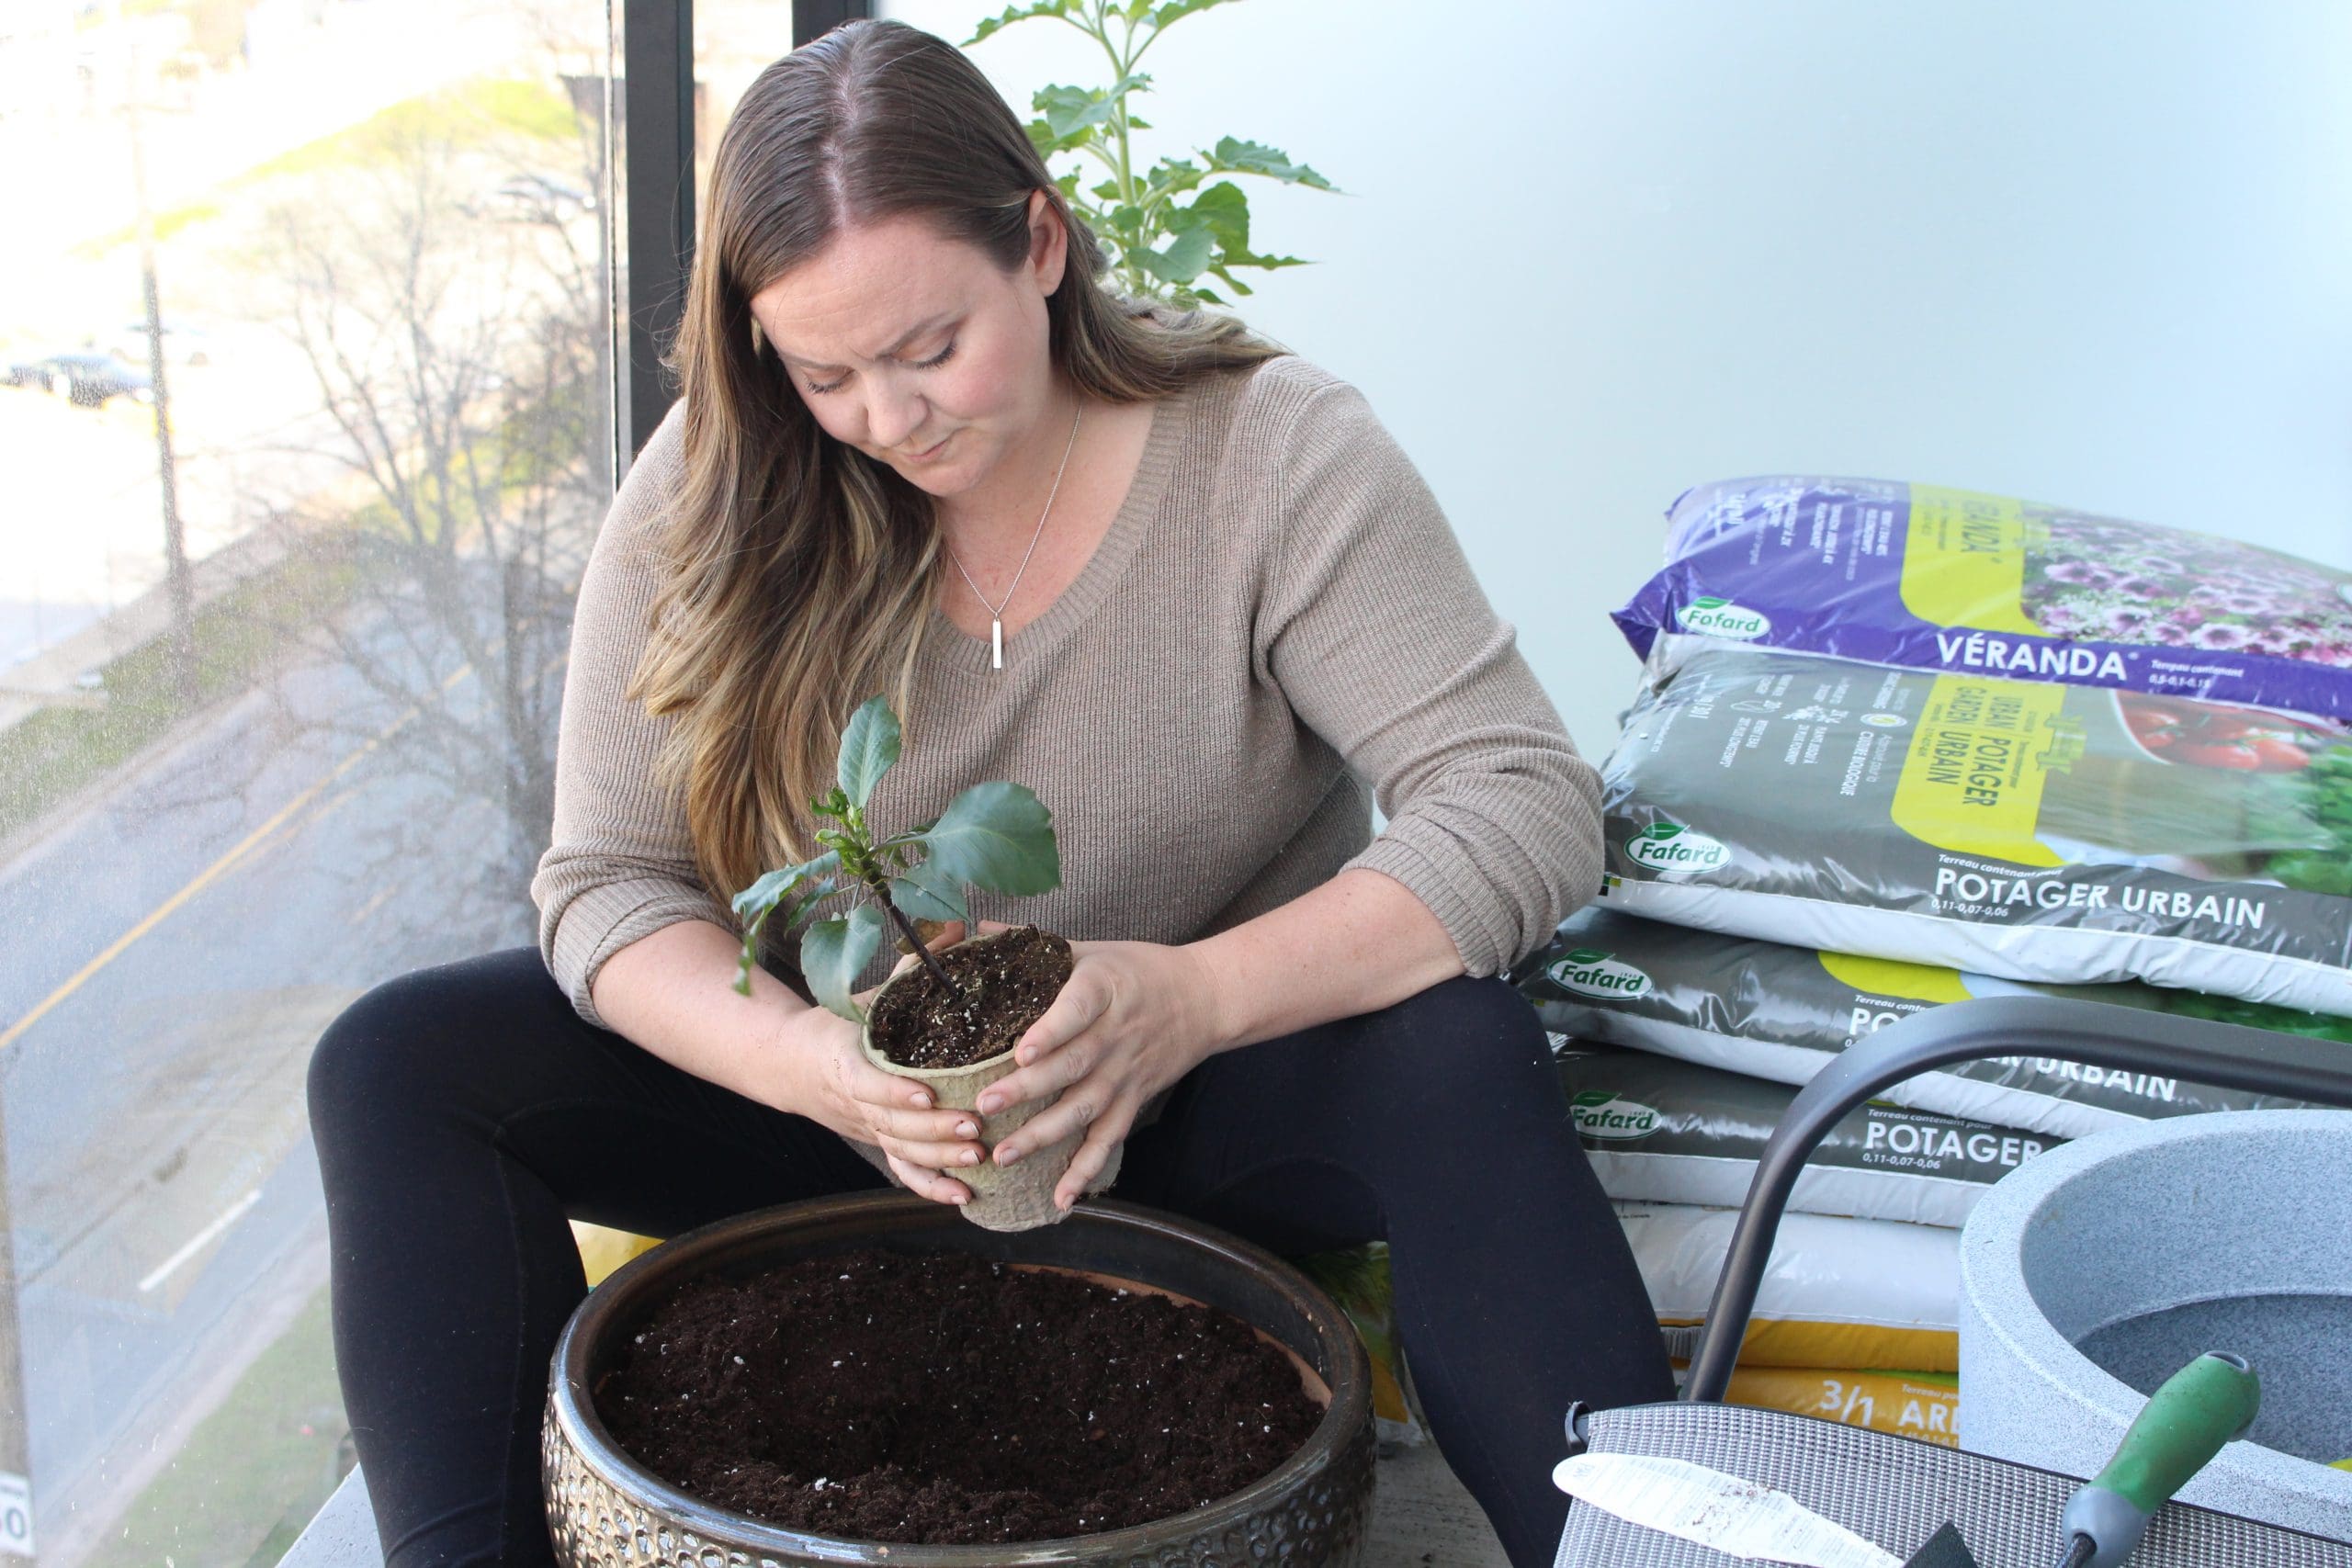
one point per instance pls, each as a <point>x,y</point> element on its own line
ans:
<point>2018,829</point>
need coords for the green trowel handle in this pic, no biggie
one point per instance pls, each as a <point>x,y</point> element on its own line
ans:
<point>2200,1407</point>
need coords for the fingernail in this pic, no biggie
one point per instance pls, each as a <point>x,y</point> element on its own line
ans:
<point>970,1156</point>
<point>961,1198</point>
<point>986,1106</point>
<point>1007,1154</point>
<point>919,1100</point>
<point>968,1129</point>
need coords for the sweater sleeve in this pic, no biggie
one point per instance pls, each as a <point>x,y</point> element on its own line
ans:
<point>1380,637</point>
<point>620,864</point>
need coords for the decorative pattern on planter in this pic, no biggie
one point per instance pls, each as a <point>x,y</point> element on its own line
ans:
<point>1320,1523</point>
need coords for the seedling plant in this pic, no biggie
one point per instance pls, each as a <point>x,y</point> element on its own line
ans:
<point>995,836</point>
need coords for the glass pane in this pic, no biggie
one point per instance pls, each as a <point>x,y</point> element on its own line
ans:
<point>734,41</point>
<point>282,617</point>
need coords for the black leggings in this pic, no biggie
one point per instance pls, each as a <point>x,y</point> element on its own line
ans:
<point>463,1113</point>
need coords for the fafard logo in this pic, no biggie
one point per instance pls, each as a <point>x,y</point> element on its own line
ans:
<point>1721,617</point>
<point>1589,972</point>
<point>1600,1113</point>
<point>1671,847</point>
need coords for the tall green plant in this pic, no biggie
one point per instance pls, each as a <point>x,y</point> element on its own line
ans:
<point>1172,225</point>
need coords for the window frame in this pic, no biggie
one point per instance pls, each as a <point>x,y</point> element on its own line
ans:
<point>657,179</point>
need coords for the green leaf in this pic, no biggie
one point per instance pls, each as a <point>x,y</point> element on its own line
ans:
<point>924,893</point>
<point>756,905</point>
<point>869,745</point>
<point>998,836</point>
<point>1019,14</point>
<point>1234,157</point>
<point>1172,176</point>
<point>1175,11</point>
<point>1225,210</point>
<point>1042,137</point>
<point>1186,258</point>
<point>834,952</point>
<point>762,895</point>
<point>1070,112</point>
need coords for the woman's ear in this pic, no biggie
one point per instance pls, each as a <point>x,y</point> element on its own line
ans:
<point>1048,244</point>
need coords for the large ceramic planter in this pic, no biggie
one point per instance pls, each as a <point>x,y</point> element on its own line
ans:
<point>607,1511</point>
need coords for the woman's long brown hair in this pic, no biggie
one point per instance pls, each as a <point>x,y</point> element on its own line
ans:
<point>800,573</point>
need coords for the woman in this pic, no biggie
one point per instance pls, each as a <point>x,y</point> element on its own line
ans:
<point>1181,584</point>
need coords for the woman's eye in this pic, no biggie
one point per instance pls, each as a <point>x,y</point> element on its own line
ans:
<point>832,385</point>
<point>942,357</point>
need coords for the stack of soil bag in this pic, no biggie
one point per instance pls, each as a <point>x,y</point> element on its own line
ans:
<point>1948,744</point>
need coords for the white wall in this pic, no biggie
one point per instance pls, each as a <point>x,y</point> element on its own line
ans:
<point>2094,254</point>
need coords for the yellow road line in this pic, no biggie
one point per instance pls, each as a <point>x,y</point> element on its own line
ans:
<point>219,868</point>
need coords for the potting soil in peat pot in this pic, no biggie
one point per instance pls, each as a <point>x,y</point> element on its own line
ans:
<point>1007,983</point>
<point>944,1399</point>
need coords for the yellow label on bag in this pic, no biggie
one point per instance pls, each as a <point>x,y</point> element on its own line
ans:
<point>1893,977</point>
<point>1980,756</point>
<point>1963,560</point>
<point>1803,1342</point>
<point>1910,1404</point>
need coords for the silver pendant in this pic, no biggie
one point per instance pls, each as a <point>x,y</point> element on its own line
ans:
<point>996,645</point>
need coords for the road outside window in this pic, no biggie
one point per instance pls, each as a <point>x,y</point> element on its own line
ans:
<point>305,410</point>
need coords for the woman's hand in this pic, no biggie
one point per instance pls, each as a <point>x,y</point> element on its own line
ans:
<point>834,1085</point>
<point>1134,1017</point>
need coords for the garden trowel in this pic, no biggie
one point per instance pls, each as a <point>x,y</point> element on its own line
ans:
<point>1735,1516</point>
<point>2183,1426</point>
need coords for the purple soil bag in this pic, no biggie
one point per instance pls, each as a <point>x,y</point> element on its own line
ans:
<point>1935,578</point>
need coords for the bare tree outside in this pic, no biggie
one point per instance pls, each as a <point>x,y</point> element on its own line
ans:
<point>445,291</point>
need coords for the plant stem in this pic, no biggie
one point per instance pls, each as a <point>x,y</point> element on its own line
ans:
<point>881,891</point>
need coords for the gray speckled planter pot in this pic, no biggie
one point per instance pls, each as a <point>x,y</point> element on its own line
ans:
<point>607,1511</point>
<point>2140,1226</point>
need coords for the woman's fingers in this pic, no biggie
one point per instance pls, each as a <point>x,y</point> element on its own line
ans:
<point>948,1134</point>
<point>1083,998</point>
<point>1048,1063</point>
<point>927,1183</point>
<point>1102,1140</point>
<point>1041,1080</point>
<point>1083,1105</point>
<point>946,1154</point>
<point>898,1114</point>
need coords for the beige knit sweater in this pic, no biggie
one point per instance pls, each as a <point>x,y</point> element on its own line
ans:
<point>1278,617</point>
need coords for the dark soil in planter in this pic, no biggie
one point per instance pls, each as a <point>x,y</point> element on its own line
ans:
<point>944,1399</point>
<point>1007,982</point>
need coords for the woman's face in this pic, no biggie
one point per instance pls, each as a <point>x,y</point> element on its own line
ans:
<point>918,349</point>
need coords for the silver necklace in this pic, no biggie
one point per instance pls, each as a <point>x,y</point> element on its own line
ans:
<point>996,611</point>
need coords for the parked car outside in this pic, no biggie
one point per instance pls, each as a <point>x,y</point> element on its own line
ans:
<point>84,377</point>
<point>532,199</point>
<point>183,344</point>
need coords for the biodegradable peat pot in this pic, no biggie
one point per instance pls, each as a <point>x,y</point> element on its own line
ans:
<point>604,1510</point>
<point>1020,1197</point>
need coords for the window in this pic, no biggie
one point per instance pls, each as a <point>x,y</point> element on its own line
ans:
<point>282,622</point>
